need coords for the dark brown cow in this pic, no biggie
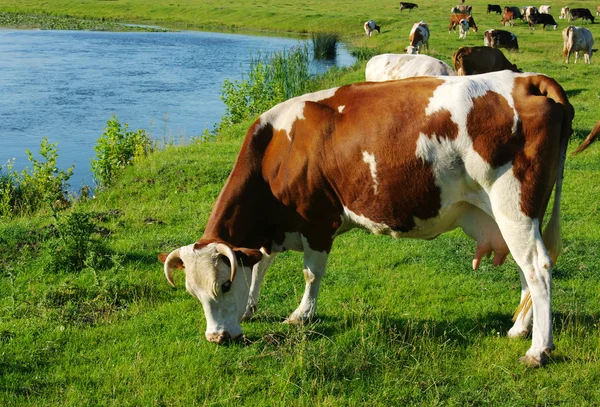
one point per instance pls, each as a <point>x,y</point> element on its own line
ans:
<point>494,8</point>
<point>539,18</point>
<point>476,60</point>
<point>583,13</point>
<point>407,6</point>
<point>500,39</point>
<point>479,152</point>
<point>455,20</point>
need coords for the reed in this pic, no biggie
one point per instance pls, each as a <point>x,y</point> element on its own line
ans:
<point>324,45</point>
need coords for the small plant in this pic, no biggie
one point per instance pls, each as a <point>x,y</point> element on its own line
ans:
<point>324,45</point>
<point>364,53</point>
<point>117,148</point>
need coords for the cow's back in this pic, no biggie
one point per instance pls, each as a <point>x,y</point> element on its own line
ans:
<point>387,67</point>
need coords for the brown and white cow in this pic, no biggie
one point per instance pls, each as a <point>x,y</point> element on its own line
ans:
<point>589,139</point>
<point>370,26</point>
<point>508,18</point>
<point>527,11</point>
<point>564,13</point>
<point>476,60</point>
<point>576,39</point>
<point>455,21</point>
<point>598,11</point>
<point>482,153</point>
<point>387,67</point>
<point>500,39</point>
<point>407,6</point>
<point>418,38</point>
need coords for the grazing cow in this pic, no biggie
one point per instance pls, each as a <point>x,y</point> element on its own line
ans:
<point>500,39</point>
<point>494,8</point>
<point>515,10</point>
<point>583,13</point>
<point>476,60</point>
<point>545,9</point>
<point>461,9</point>
<point>508,18</point>
<point>418,37</point>
<point>598,11</point>
<point>545,19</point>
<point>455,20</point>
<point>370,26</point>
<point>463,29</point>
<point>387,67</point>
<point>577,39</point>
<point>527,11</point>
<point>407,6</point>
<point>564,13</point>
<point>589,139</point>
<point>479,152</point>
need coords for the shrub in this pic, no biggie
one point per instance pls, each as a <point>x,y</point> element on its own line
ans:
<point>271,80</point>
<point>324,45</point>
<point>117,148</point>
<point>44,185</point>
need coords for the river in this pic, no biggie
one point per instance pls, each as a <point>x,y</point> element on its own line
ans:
<point>65,85</point>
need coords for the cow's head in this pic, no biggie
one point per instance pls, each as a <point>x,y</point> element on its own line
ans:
<point>411,50</point>
<point>219,277</point>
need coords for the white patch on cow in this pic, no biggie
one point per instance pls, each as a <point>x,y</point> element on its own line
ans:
<point>283,115</point>
<point>387,67</point>
<point>341,108</point>
<point>370,160</point>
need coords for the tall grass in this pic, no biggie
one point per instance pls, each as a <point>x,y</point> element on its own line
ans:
<point>325,45</point>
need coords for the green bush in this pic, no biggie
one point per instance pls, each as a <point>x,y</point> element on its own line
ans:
<point>271,80</point>
<point>117,148</point>
<point>44,185</point>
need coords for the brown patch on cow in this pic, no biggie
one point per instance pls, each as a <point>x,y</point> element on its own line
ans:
<point>490,126</point>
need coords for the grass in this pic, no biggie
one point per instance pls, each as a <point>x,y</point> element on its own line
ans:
<point>400,322</point>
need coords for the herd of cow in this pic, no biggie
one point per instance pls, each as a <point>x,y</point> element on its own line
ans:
<point>410,158</point>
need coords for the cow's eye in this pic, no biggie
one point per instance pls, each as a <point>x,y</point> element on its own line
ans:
<point>226,286</point>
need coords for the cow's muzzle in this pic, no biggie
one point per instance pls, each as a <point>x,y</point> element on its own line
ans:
<point>222,338</point>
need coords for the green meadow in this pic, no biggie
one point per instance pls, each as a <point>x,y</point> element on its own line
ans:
<point>400,322</point>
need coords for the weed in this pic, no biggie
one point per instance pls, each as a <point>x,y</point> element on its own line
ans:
<point>324,45</point>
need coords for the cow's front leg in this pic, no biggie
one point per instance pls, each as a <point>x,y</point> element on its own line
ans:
<point>258,275</point>
<point>314,270</point>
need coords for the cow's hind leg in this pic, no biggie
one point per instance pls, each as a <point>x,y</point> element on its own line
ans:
<point>314,270</point>
<point>523,237</point>
<point>523,314</point>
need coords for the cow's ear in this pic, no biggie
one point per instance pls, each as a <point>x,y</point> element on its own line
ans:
<point>248,257</point>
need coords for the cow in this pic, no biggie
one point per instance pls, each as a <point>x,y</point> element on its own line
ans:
<point>418,38</point>
<point>461,9</point>
<point>463,28</point>
<point>515,10</point>
<point>407,6</point>
<point>545,19</point>
<point>508,18</point>
<point>589,139</point>
<point>577,39</point>
<point>527,11</point>
<point>386,67</point>
<point>500,39</point>
<point>564,13</point>
<point>598,11</point>
<point>494,8</point>
<point>583,13</point>
<point>479,152</point>
<point>370,26</point>
<point>455,20</point>
<point>476,60</point>
<point>545,9</point>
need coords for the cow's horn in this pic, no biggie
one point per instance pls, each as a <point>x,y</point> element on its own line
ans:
<point>226,251</point>
<point>170,263</point>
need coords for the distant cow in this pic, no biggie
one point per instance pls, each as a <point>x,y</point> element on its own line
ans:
<point>583,13</point>
<point>370,26</point>
<point>463,28</point>
<point>508,18</point>
<point>418,37</point>
<point>577,39</point>
<point>526,11</point>
<point>494,8</point>
<point>545,9</point>
<point>455,20</point>
<point>407,6</point>
<point>388,67</point>
<point>500,39</point>
<point>462,9</point>
<point>515,10</point>
<point>476,60</point>
<point>598,11</point>
<point>545,19</point>
<point>564,13</point>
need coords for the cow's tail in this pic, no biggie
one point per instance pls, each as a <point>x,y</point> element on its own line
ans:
<point>568,41</point>
<point>589,139</point>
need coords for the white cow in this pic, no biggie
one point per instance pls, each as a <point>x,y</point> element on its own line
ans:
<point>463,28</point>
<point>370,26</point>
<point>545,9</point>
<point>386,67</point>
<point>577,39</point>
<point>564,13</point>
<point>418,37</point>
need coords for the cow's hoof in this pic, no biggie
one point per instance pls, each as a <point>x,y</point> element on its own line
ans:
<point>517,333</point>
<point>537,360</point>
<point>296,319</point>
<point>250,310</point>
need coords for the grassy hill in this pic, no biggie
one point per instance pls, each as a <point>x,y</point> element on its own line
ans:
<point>401,322</point>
